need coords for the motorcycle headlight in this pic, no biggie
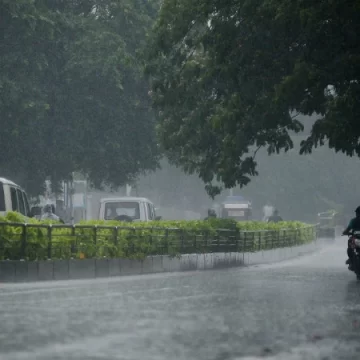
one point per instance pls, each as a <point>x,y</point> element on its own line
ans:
<point>357,242</point>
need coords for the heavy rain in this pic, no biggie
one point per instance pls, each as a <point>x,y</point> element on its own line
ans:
<point>179,179</point>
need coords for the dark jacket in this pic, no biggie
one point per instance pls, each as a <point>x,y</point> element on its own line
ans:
<point>354,225</point>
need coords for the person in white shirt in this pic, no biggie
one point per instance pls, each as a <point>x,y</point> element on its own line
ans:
<point>267,211</point>
<point>48,214</point>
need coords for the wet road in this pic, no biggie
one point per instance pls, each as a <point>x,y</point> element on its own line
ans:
<point>308,308</point>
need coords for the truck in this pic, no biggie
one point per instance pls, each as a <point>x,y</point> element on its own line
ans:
<point>237,208</point>
<point>128,209</point>
<point>327,224</point>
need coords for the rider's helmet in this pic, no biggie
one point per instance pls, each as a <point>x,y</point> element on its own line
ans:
<point>357,210</point>
<point>276,212</point>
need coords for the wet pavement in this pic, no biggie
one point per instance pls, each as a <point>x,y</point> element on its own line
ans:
<point>307,308</point>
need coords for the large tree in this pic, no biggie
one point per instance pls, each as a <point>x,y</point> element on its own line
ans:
<point>23,104</point>
<point>72,93</point>
<point>229,77</point>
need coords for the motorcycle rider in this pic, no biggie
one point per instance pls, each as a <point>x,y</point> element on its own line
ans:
<point>354,225</point>
<point>275,217</point>
<point>48,214</point>
<point>268,210</point>
<point>211,214</point>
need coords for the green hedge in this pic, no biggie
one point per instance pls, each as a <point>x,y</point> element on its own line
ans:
<point>39,240</point>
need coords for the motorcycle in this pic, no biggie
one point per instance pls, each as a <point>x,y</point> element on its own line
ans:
<point>354,243</point>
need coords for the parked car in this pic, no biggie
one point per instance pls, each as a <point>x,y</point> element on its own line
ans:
<point>13,198</point>
<point>127,209</point>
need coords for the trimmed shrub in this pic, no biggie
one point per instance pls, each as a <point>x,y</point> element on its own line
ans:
<point>31,239</point>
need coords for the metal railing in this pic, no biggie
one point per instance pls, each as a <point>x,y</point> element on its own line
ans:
<point>40,241</point>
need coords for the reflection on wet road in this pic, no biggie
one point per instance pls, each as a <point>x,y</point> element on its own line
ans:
<point>308,308</point>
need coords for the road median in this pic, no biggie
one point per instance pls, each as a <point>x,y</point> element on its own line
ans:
<point>49,251</point>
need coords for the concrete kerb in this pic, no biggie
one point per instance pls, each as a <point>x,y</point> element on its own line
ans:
<point>157,264</point>
<point>130,267</point>
<point>270,256</point>
<point>7,271</point>
<point>82,269</point>
<point>114,267</point>
<point>174,264</point>
<point>45,270</point>
<point>32,271</point>
<point>208,261</point>
<point>23,271</point>
<point>102,268</point>
<point>147,265</point>
<point>61,269</point>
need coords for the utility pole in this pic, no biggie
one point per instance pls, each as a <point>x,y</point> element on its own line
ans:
<point>71,193</point>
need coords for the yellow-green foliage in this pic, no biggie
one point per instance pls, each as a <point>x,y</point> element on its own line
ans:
<point>33,239</point>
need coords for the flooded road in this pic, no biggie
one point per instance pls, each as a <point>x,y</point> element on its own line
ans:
<point>308,308</point>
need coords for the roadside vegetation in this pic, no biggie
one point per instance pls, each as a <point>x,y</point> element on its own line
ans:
<point>31,239</point>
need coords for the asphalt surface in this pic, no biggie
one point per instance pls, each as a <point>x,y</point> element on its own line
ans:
<point>307,308</point>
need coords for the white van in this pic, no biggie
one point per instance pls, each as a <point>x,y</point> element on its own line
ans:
<point>127,209</point>
<point>13,198</point>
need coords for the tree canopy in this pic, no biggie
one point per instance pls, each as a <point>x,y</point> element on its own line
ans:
<point>72,92</point>
<point>229,77</point>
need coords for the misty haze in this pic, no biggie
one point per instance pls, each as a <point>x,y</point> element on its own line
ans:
<point>179,180</point>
